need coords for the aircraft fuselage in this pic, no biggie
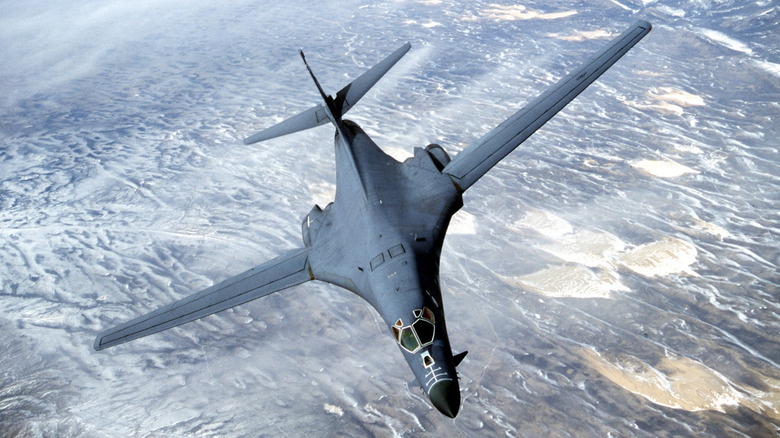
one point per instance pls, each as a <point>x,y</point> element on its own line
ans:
<point>381,238</point>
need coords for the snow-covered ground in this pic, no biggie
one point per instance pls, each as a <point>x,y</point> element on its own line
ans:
<point>617,275</point>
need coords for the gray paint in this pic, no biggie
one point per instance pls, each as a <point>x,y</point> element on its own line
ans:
<point>382,236</point>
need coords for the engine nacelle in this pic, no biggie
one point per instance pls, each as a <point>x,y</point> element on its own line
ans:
<point>310,226</point>
<point>438,155</point>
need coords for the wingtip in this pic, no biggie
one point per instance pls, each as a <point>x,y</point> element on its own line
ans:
<point>645,24</point>
<point>97,344</point>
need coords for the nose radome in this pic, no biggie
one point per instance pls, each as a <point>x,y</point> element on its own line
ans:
<point>445,396</point>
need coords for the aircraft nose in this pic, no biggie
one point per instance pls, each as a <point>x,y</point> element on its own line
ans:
<point>445,396</point>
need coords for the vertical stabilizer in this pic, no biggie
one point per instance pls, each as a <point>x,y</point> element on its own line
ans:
<point>329,105</point>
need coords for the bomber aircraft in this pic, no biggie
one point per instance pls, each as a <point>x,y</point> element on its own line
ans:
<point>382,236</point>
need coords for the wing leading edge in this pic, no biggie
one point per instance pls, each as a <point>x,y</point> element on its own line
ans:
<point>474,161</point>
<point>280,273</point>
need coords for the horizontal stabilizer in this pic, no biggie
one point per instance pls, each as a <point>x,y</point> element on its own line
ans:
<point>345,99</point>
<point>474,161</point>
<point>280,273</point>
<point>310,118</point>
<point>348,96</point>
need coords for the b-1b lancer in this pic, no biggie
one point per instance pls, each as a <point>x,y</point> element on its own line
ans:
<point>382,236</point>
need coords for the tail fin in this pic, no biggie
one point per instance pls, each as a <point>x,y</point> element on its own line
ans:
<point>345,99</point>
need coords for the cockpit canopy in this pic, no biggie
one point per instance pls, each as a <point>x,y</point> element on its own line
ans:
<point>419,333</point>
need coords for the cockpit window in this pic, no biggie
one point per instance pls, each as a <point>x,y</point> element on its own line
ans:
<point>424,330</point>
<point>408,340</point>
<point>427,314</point>
<point>397,329</point>
<point>418,334</point>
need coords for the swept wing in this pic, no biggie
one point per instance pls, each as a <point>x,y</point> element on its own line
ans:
<point>474,161</point>
<point>280,273</point>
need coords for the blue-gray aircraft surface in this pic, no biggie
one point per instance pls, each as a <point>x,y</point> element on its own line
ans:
<point>382,236</point>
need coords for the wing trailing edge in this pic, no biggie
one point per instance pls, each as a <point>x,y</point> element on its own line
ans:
<point>474,161</point>
<point>345,99</point>
<point>277,274</point>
